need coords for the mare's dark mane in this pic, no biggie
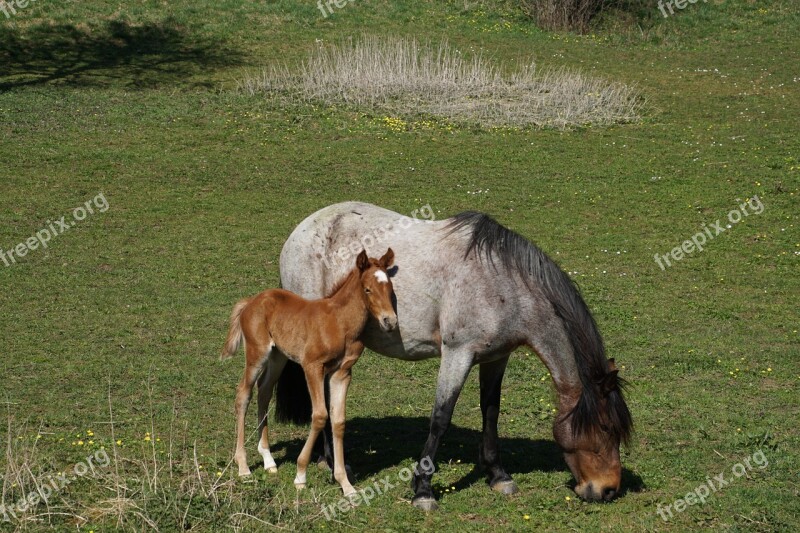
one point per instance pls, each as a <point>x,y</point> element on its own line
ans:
<point>493,242</point>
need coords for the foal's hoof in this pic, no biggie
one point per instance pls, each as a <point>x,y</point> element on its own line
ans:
<point>506,487</point>
<point>300,486</point>
<point>272,469</point>
<point>426,504</point>
<point>244,472</point>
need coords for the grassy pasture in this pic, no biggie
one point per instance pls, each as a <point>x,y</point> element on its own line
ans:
<point>111,333</point>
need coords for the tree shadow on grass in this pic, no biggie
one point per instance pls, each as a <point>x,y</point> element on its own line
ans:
<point>114,53</point>
<point>376,444</point>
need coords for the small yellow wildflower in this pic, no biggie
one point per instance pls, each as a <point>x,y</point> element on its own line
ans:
<point>526,517</point>
<point>80,443</point>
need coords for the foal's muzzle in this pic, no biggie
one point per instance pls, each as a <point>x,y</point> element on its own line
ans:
<point>388,323</point>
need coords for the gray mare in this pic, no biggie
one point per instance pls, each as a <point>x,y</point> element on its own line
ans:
<point>471,291</point>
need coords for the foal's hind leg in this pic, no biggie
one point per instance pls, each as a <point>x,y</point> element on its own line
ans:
<point>319,414</point>
<point>266,384</point>
<point>255,357</point>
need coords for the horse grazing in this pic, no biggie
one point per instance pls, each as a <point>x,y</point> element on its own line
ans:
<point>471,291</point>
<point>322,336</point>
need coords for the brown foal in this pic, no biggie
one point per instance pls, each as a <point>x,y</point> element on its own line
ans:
<point>323,337</point>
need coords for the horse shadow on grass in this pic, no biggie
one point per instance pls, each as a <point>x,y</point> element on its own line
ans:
<point>376,444</point>
<point>131,55</point>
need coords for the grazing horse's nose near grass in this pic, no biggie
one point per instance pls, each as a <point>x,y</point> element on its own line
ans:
<point>589,493</point>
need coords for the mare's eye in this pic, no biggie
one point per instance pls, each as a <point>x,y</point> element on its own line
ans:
<point>367,290</point>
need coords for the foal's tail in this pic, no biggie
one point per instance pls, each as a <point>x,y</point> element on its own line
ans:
<point>235,332</point>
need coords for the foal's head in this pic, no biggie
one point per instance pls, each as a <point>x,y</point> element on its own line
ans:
<point>377,288</point>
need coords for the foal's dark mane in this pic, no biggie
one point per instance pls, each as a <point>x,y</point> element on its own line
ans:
<point>492,241</point>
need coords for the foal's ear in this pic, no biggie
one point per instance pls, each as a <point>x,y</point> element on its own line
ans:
<point>362,261</point>
<point>611,364</point>
<point>387,259</point>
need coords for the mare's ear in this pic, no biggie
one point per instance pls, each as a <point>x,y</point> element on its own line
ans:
<point>610,382</point>
<point>387,259</point>
<point>362,261</point>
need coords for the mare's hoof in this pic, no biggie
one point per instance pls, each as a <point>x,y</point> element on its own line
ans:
<point>244,472</point>
<point>426,504</point>
<point>506,487</point>
<point>272,469</point>
<point>299,486</point>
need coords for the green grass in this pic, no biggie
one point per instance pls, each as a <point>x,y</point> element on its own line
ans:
<point>204,184</point>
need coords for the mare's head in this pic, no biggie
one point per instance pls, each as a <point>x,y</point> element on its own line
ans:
<point>590,434</point>
<point>377,288</point>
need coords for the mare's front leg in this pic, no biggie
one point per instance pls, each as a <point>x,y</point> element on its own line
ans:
<point>453,371</point>
<point>339,383</point>
<point>491,378</point>
<point>319,414</point>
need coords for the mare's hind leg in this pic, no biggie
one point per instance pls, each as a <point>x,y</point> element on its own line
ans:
<point>319,415</point>
<point>276,361</point>
<point>491,378</point>
<point>255,358</point>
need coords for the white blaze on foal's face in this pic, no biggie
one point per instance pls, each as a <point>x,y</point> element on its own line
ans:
<point>381,276</point>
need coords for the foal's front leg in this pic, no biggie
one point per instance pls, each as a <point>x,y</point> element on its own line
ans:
<point>339,383</point>
<point>319,415</point>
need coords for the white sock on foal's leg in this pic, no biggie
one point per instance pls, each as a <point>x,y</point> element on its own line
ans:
<point>269,462</point>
